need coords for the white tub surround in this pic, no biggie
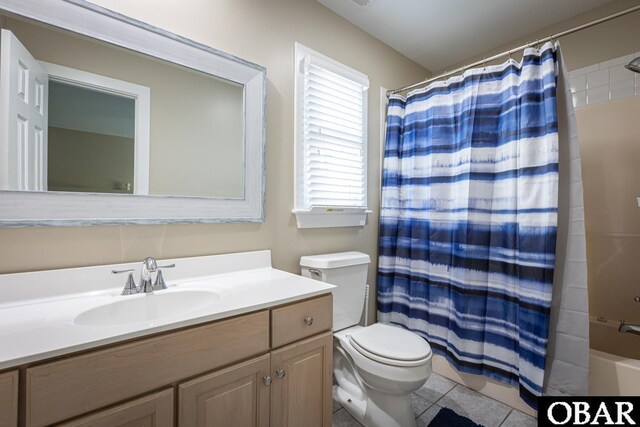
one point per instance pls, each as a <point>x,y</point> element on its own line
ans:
<point>45,314</point>
<point>567,364</point>
<point>604,81</point>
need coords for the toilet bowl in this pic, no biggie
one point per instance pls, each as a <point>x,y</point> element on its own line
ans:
<point>376,367</point>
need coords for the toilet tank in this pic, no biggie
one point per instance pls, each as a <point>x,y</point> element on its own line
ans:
<point>348,272</point>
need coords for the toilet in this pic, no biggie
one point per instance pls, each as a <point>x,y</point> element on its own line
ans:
<point>376,367</point>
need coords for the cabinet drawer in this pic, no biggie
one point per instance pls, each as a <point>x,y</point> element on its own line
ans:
<point>155,410</point>
<point>69,387</point>
<point>300,320</point>
<point>9,399</point>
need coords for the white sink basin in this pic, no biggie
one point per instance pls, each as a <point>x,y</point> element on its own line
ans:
<point>147,308</point>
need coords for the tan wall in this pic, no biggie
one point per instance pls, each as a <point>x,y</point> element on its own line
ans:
<point>263,32</point>
<point>196,133</point>
<point>602,42</point>
<point>610,147</point>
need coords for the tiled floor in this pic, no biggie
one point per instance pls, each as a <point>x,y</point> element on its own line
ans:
<point>439,392</point>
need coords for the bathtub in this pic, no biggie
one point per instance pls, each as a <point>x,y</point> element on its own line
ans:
<point>614,360</point>
<point>612,375</point>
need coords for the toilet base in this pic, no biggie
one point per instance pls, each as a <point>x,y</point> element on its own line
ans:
<point>378,410</point>
<point>356,407</point>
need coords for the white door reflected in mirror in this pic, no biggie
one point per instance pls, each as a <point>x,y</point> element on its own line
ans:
<point>24,90</point>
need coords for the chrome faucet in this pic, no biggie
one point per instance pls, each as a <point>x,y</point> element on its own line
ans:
<point>149,265</point>
<point>628,327</point>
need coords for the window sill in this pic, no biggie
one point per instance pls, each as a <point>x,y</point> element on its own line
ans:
<point>325,217</point>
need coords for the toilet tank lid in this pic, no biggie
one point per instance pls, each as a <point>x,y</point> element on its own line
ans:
<point>340,259</point>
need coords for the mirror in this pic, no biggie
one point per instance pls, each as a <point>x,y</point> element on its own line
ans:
<point>99,109</point>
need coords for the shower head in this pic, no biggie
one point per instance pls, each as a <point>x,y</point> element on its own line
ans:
<point>634,65</point>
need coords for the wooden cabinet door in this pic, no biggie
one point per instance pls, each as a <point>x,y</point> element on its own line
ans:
<point>301,389</point>
<point>9,399</point>
<point>155,410</point>
<point>237,396</point>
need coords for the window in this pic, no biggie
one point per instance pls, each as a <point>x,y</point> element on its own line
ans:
<point>330,142</point>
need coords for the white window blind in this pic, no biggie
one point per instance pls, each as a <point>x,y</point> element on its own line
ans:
<point>334,139</point>
<point>331,145</point>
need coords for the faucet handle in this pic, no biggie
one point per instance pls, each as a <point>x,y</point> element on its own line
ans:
<point>159,284</point>
<point>122,271</point>
<point>129,287</point>
<point>166,266</point>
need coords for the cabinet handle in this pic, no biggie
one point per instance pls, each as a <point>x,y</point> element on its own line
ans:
<point>266,380</point>
<point>308,320</point>
<point>280,373</point>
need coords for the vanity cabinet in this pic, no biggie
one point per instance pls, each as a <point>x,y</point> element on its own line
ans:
<point>9,399</point>
<point>269,367</point>
<point>155,410</point>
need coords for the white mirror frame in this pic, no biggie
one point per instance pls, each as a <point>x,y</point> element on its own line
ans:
<point>22,208</point>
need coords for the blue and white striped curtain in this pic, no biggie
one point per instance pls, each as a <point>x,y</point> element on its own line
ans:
<point>469,217</point>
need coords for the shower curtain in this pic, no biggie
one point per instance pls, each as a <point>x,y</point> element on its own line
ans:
<point>469,215</point>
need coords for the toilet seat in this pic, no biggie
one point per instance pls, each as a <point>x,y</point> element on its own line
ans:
<point>390,345</point>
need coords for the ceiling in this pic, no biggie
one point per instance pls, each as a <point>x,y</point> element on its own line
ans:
<point>439,33</point>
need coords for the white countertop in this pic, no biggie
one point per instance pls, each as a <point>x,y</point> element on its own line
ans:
<point>34,328</point>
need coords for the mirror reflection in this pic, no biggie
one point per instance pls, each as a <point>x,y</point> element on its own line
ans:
<point>91,140</point>
<point>85,116</point>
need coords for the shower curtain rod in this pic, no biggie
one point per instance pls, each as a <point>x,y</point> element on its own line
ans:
<point>517,49</point>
